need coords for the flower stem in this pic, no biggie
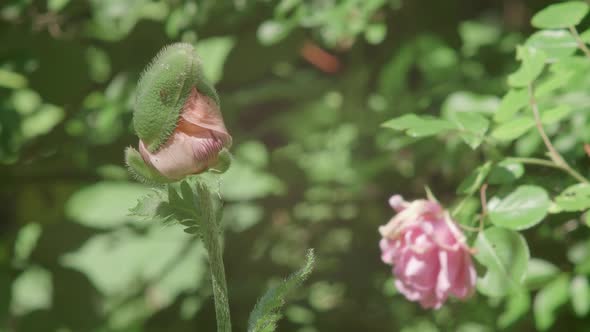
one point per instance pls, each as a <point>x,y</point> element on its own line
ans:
<point>553,154</point>
<point>211,238</point>
<point>579,40</point>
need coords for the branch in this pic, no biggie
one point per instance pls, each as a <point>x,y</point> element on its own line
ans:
<point>553,153</point>
<point>581,44</point>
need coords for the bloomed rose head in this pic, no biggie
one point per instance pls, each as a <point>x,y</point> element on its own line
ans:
<point>430,258</point>
<point>177,118</point>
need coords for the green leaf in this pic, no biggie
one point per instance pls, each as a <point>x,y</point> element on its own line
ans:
<point>556,80</point>
<point>514,129</point>
<point>12,80</point>
<point>124,261</point>
<point>271,32</point>
<point>25,242</point>
<point>375,33</point>
<point>474,181</point>
<point>147,206</point>
<point>549,300</point>
<point>266,312</point>
<point>511,103</point>
<point>580,294</point>
<point>419,126</point>
<point>26,101</point>
<point>99,64</point>
<point>104,204</point>
<point>523,208</point>
<point>505,171</point>
<point>32,290</point>
<point>42,121</point>
<point>505,254</point>
<point>214,52</point>
<point>556,114</point>
<point>254,153</point>
<point>560,15</point>
<point>574,198</point>
<point>532,64</point>
<point>556,44</point>
<point>517,305</point>
<point>519,125</point>
<point>472,127</point>
<point>585,36</point>
<point>56,5</point>
<point>469,102</point>
<point>475,34</point>
<point>539,273</point>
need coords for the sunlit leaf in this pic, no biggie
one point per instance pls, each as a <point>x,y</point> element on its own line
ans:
<point>144,256</point>
<point>511,103</point>
<point>105,204</point>
<point>517,305</point>
<point>512,130</point>
<point>214,52</point>
<point>505,254</point>
<point>505,171</point>
<point>375,33</point>
<point>12,80</point>
<point>473,127</point>
<point>419,126</point>
<point>555,114</point>
<point>532,64</point>
<point>42,121</point>
<point>548,300</point>
<point>574,198</point>
<point>556,44</point>
<point>539,273</point>
<point>580,295</point>
<point>32,290</point>
<point>474,180</point>
<point>523,208</point>
<point>271,32</point>
<point>560,15</point>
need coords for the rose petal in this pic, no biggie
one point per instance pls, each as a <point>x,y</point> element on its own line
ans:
<point>430,258</point>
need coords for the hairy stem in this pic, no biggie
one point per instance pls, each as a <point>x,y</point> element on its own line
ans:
<point>211,238</point>
<point>553,154</point>
<point>579,40</point>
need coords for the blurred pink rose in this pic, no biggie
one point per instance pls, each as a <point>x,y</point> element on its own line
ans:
<point>195,143</point>
<point>428,252</point>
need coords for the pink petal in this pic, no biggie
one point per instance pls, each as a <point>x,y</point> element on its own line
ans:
<point>397,203</point>
<point>202,112</point>
<point>177,158</point>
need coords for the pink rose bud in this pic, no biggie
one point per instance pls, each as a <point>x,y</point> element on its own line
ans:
<point>429,254</point>
<point>195,143</point>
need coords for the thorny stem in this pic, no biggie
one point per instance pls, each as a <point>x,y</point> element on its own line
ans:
<point>211,238</point>
<point>553,154</point>
<point>579,40</point>
<point>484,210</point>
<point>535,161</point>
<point>484,205</point>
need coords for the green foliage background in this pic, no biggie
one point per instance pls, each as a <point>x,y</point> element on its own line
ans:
<point>304,88</point>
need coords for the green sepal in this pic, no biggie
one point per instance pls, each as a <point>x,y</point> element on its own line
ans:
<point>205,87</point>
<point>162,91</point>
<point>224,159</point>
<point>140,170</point>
